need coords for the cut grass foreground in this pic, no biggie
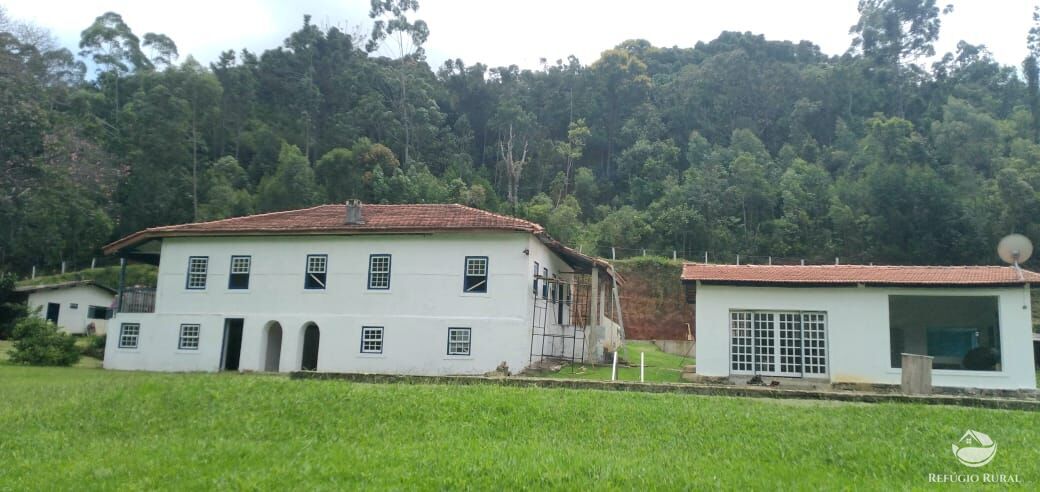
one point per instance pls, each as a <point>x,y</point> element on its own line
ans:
<point>79,429</point>
<point>660,367</point>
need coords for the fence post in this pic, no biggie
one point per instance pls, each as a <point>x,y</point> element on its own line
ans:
<point>803,261</point>
<point>674,257</point>
<point>63,267</point>
<point>770,260</point>
<point>34,272</point>
<point>836,260</point>
<point>613,254</point>
<point>93,263</point>
<point>705,257</point>
<point>644,251</point>
<point>738,259</point>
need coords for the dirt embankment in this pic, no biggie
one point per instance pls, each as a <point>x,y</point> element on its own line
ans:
<point>652,299</point>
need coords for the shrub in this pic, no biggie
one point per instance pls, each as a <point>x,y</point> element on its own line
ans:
<point>10,309</point>
<point>39,343</point>
<point>95,347</point>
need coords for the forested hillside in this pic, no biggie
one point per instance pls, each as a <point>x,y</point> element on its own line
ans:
<point>741,145</point>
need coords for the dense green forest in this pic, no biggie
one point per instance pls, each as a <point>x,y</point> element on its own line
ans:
<point>740,145</point>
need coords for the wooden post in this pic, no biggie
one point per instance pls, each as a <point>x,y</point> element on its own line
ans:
<point>122,284</point>
<point>917,374</point>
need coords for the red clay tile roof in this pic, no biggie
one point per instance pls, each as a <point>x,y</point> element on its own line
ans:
<point>856,274</point>
<point>332,219</point>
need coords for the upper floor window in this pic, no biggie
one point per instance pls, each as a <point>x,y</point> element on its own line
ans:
<point>317,268</point>
<point>239,276</point>
<point>476,274</point>
<point>379,272</point>
<point>128,335</point>
<point>198,267</point>
<point>189,339</point>
<point>534,281</point>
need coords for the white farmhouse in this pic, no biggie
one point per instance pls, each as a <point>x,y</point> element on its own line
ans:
<point>851,323</point>
<point>402,289</point>
<point>77,307</point>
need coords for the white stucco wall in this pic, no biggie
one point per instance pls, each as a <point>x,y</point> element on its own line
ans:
<point>858,331</point>
<point>72,320</point>
<point>425,298</point>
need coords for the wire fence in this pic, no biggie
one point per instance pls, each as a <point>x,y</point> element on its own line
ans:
<point>716,257</point>
<point>47,269</point>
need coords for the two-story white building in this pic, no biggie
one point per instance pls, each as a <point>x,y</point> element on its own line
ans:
<point>403,289</point>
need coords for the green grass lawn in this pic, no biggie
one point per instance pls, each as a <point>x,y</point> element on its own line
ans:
<point>77,429</point>
<point>661,367</point>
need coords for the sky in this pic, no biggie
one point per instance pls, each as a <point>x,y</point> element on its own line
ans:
<point>499,32</point>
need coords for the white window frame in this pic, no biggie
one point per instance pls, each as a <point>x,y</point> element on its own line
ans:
<point>372,339</point>
<point>189,336</point>
<point>379,267</point>
<point>128,340</point>
<point>240,265</point>
<point>312,268</point>
<point>198,271</point>
<point>476,266</point>
<point>778,343</point>
<point>460,341</point>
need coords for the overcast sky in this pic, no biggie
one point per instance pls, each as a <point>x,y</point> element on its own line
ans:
<point>499,32</point>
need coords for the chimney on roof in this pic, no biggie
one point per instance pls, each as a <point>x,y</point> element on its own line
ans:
<point>354,212</point>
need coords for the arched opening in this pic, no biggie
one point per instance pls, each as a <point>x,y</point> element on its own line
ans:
<point>273,352</point>
<point>311,336</point>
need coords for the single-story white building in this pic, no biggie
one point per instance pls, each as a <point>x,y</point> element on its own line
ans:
<point>399,289</point>
<point>851,323</point>
<point>77,307</point>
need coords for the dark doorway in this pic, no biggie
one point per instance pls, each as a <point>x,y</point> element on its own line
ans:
<point>311,336</point>
<point>274,347</point>
<point>53,309</point>
<point>232,343</point>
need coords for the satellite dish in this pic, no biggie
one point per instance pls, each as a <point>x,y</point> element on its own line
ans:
<point>1015,249</point>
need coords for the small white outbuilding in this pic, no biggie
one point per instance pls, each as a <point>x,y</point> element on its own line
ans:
<point>78,307</point>
<point>851,323</point>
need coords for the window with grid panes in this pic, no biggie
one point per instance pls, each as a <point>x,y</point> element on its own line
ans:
<point>128,335</point>
<point>459,341</point>
<point>317,270</point>
<point>379,272</point>
<point>239,275</point>
<point>198,267</point>
<point>476,274</point>
<point>189,338</point>
<point>372,340</point>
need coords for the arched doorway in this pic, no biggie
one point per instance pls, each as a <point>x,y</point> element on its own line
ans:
<point>273,352</point>
<point>311,336</point>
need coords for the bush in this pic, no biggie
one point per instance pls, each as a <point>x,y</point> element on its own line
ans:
<point>39,343</point>
<point>10,308</point>
<point>95,347</point>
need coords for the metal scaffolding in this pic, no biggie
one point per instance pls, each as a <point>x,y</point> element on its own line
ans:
<point>561,317</point>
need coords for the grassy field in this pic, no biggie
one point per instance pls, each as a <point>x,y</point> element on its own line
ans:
<point>80,429</point>
<point>661,367</point>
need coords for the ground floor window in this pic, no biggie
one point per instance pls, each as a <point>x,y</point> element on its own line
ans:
<point>959,332</point>
<point>458,341</point>
<point>189,339</point>
<point>128,334</point>
<point>778,343</point>
<point>372,340</point>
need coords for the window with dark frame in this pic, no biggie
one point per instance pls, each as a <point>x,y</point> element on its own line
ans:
<point>97,312</point>
<point>379,272</point>
<point>534,279</point>
<point>317,268</point>
<point>128,335</point>
<point>238,278</point>
<point>189,338</point>
<point>545,283</point>
<point>459,341</point>
<point>198,267</point>
<point>372,339</point>
<point>476,278</point>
